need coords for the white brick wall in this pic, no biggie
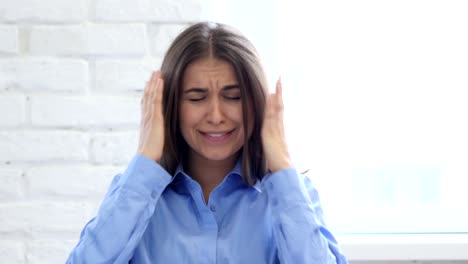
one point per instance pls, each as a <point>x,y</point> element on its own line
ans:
<point>85,111</point>
<point>148,10</point>
<point>42,74</point>
<point>68,182</point>
<point>45,11</point>
<point>115,148</point>
<point>48,251</point>
<point>157,34</point>
<point>89,40</point>
<point>12,250</point>
<point>123,75</point>
<point>71,77</point>
<point>11,187</point>
<point>20,146</point>
<point>9,37</point>
<point>14,108</point>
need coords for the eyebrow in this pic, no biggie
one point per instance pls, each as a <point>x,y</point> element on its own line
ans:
<point>204,90</point>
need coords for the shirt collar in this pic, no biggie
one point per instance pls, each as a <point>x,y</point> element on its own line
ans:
<point>237,171</point>
<point>235,174</point>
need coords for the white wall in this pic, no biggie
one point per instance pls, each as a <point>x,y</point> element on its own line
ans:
<point>71,76</point>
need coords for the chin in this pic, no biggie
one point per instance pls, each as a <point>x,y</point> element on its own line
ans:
<point>218,155</point>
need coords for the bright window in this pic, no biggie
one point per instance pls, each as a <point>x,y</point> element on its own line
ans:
<point>376,97</point>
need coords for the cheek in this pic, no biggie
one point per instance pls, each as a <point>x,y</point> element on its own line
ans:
<point>237,116</point>
<point>186,119</point>
<point>234,113</point>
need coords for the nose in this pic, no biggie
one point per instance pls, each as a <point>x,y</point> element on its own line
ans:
<point>215,112</point>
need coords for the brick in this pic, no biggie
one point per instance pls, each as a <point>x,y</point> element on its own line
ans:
<point>43,146</point>
<point>12,251</point>
<point>11,184</point>
<point>44,11</point>
<point>144,10</point>
<point>68,182</point>
<point>49,251</point>
<point>13,109</point>
<point>115,148</point>
<point>124,75</point>
<point>89,40</point>
<point>89,111</point>
<point>9,39</point>
<point>43,74</point>
<point>42,216</point>
<point>161,36</point>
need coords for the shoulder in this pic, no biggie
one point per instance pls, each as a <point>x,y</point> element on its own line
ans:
<point>288,178</point>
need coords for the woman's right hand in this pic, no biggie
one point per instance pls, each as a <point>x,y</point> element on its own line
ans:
<point>152,122</point>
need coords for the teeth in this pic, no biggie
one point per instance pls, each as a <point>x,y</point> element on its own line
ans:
<point>217,135</point>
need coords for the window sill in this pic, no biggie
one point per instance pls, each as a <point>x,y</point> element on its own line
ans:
<point>408,247</point>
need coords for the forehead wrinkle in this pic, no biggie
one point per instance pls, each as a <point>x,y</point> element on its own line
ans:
<point>211,72</point>
<point>214,82</point>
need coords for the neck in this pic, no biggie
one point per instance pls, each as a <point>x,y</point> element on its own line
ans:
<point>209,173</point>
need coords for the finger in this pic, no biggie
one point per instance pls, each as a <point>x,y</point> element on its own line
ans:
<point>155,79</point>
<point>156,99</point>
<point>157,74</point>
<point>154,87</point>
<point>149,85</point>
<point>146,90</point>
<point>279,87</point>
<point>144,100</point>
<point>159,95</point>
<point>279,92</point>
<point>270,106</point>
<point>277,98</point>
<point>154,92</point>
<point>148,98</point>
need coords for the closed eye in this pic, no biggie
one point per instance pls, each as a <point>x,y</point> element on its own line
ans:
<point>196,99</point>
<point>196,94</point>
<point>232,92</point>
<point>234,98</point>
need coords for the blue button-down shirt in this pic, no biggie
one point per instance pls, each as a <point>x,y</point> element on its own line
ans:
<point>149,216</point>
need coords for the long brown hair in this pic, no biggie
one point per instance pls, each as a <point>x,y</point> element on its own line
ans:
<point>206,39</point>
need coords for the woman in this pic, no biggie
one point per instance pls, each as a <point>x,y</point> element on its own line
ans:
<point>212,181</point>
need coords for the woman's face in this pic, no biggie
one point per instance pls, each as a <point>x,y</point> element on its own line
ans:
<point>210,110</point>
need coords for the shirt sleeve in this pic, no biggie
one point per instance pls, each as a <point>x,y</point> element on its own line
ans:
<point>298,222</point>
<point>112,236</point>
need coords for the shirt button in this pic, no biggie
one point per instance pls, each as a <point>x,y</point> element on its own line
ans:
<point>271,185</point>
<point>213,208</point>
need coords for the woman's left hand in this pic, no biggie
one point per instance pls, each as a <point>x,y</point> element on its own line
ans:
<point>273,137</point>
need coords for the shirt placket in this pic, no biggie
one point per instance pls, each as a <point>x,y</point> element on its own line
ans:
<point>209,226</point>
